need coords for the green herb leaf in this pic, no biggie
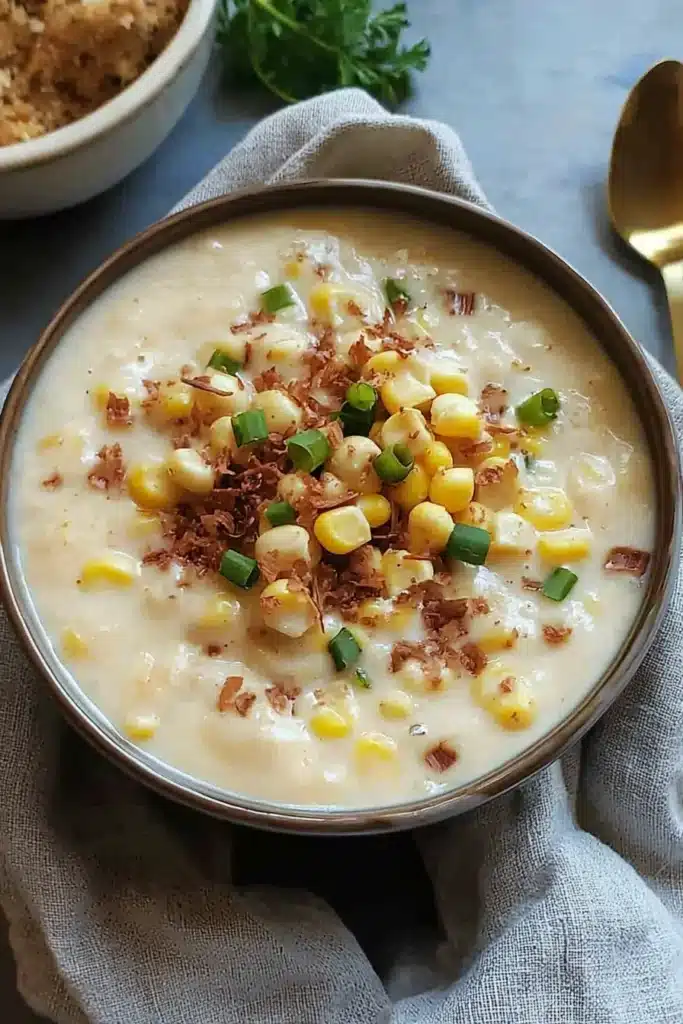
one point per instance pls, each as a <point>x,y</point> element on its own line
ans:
<point>300,48</point>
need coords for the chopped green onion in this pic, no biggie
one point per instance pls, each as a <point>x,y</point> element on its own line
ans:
<point>222,361</point>
<point>239,569</point>
<point>354,421</point>
<point>249,426</point>
<point>280,513</point>
<point>468,544</point>
<point>539,408</point>
<point>279,297</point>
<point>558,583</point>
<point>362,679</point>
<point>394,464</point>
<point>395,292</point>
<point>308,450</point>
<point>344,648</point>
<point>362,396</point>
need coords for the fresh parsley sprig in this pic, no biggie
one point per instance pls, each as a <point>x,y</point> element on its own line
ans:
<point>299,48</point>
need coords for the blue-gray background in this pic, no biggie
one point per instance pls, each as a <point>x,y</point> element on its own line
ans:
<point>533,86</point>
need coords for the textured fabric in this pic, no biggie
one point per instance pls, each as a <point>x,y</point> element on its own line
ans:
<point>561,903</point>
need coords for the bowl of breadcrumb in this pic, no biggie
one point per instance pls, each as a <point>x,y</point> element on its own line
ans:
<point>88,90</point>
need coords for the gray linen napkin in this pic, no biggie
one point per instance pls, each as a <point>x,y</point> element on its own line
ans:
<point>561,903</point>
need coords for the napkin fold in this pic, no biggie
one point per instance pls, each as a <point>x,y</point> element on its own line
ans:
<point>560,903</point>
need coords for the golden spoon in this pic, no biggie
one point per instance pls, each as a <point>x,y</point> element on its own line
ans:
<point>645,188</point>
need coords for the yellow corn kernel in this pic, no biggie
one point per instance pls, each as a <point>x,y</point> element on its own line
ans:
<point>175,400</point>
<point>376,432</point>
<point>287,611</point>
<point>141,727</point>
<point>562,546</point>
<point>291,487</point>
<point>508,698</point>
<point>401,571</point>
<point>292,269</point>
<point>455,415</point>
<point>408,427</point>
<point>497,481</point>
<point>342,530</point>
<point>498,638</point>
<point>99,395</point>
<point>113,567</point>
<point>452,488</point>
<point>281,412</point>
<point>546,508</point>
<point>328,299</point>
<point>436,456</point>
<point>188,470</point>
<point>328,724</point>
<point>405,392</point>
<point>221,435</point>
<point>501,446</point>
<point>411,491</point>
<point>218,611</point>
<point>372,747</point>
<point>476,514</point>
<point>376,509</point>
<point>353,462</point>
<point>151,487</point>
<point>383,363</point>
<point>230,395</point>
<point>284,546</point>
<point>144,524</point>
<point>449,381</point>
<point>50,441</point>
<point>73,644</point>
<point>287,350</point>
<point>396,704</point>
<point>429,527</point>
<point>513,537</point>
<point>234,346</point>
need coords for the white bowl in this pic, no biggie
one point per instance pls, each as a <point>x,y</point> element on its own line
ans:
<point>79,161</point>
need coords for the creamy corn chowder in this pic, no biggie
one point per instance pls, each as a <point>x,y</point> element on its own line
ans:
<point>332,509</point>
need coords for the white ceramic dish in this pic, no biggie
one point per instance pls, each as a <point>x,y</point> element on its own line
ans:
<point>87,157</point>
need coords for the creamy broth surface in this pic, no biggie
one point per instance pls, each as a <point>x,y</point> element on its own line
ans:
<point>154,643</point>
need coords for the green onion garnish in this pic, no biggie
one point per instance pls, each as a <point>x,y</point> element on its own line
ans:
<point>558,583</point>
<point>239,569</point>
<point>222,361</point>
<point>362,396</point>
<point>395,292</point>
<point>308,450</point>
<point>362,679</point>
<point>539,409</point>
<point>344,649</point>
<point>277,298</point>
<point>394,464</point>
<point>249,426</point>
<point>280,513</point>
<point>355,421</point>
<point>468,544</point>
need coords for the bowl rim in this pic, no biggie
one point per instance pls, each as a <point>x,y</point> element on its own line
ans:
<point>123,107</point>
<point>561,278</point>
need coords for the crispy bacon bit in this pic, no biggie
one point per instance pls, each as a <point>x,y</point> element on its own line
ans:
<point>493,400</point>
<point>344,590</point>
<point>322,271</point>
<point>213,650</point>
<point>228,692</point>
<point>529,584</point>
<point>479,606</point>
<point>251,320</point>
<point>160,557</point>
<point>152,387</point>
<point>118,411</point>
<point>394,342</point>
<point>281,698</point>
<point>51,483</point>
<point>353,308</point>
<point>441,757</point>
<point>243,702</point>
<point>472,659</point>
<point>109,469</point>
<point>460,303</point>
<point>475,450</point>
<point>334,434</point>
<point>407,650</point>
<point>556,634</point>
<point>314,500</point>
<point>269,380</point>
<point>360,351</point>
<point>507,685</point>
<point>203,383</point>
<point>627,559</point>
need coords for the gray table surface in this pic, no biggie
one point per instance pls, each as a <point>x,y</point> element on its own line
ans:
<point>534,88</point>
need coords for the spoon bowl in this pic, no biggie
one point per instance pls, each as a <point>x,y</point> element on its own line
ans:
<point>645,188</point>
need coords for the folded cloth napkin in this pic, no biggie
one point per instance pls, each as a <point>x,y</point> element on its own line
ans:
<point>561,903</point>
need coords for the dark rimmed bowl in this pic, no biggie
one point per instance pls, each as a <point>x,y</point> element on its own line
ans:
<point>563,280</point>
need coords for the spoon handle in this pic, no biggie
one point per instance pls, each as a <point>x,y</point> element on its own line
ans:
<point>673,282</point>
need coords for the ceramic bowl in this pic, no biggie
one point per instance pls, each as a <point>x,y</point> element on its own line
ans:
<point>82,159</point>
<point>562,279</point>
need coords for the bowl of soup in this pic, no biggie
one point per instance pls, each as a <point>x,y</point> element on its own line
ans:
<point>336,506</point>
